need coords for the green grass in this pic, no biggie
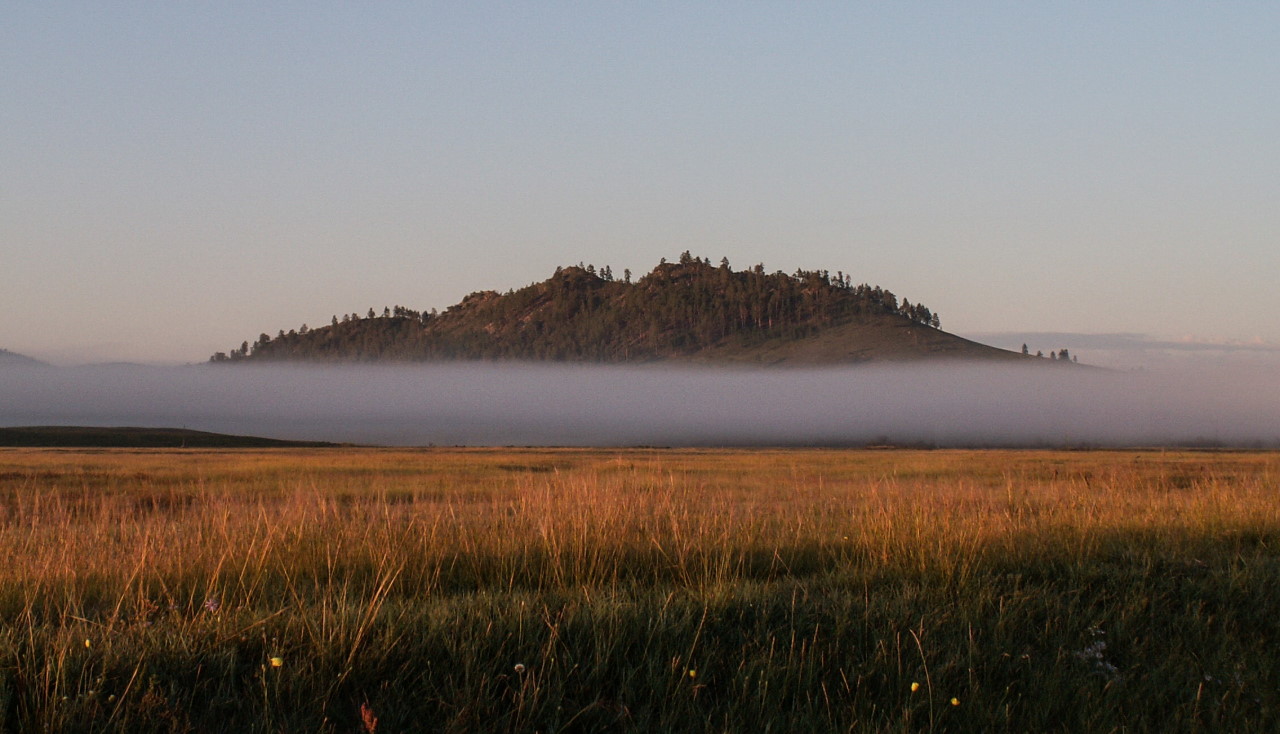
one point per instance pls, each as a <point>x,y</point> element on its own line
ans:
<point>580,590</point>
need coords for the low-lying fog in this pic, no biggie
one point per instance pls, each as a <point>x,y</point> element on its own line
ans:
<point>939,405</point>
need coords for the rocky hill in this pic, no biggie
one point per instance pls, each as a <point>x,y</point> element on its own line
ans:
<point>689,310</point>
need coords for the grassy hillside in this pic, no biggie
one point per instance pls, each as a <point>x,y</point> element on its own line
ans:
<point>872,338</point>
<point>638,591</point>
<point>684,311</point>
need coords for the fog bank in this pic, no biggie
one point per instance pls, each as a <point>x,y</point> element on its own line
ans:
<point>488,404</point>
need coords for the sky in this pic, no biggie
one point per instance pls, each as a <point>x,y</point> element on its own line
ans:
<point>176,178</point>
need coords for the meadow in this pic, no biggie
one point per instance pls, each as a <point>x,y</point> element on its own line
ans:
<point>538,590</point>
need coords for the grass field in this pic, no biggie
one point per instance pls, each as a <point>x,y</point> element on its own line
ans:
<point>637,590</point>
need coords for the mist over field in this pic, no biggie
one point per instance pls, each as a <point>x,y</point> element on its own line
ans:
<point>488,404</point>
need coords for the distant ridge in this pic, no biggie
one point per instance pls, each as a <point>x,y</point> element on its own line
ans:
<point>686,311</point>
<point>96,437</point>
<point>13,359</point>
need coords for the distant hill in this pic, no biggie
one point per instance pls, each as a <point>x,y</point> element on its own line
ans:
<point>92,436</point>
<point>13,359</point>
<point>688,311</point>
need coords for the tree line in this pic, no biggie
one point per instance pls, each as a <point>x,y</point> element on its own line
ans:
<point>1062,355</point>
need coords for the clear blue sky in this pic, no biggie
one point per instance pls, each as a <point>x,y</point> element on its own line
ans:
<point>178,177</point>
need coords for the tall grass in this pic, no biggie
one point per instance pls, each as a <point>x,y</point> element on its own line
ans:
<point>576,590</point>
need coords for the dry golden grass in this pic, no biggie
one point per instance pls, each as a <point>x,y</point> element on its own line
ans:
<point>638,589</point>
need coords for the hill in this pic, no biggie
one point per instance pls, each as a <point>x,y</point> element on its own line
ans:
<point>688,311</point>
<point>13,359</point>
<point>92,436</point>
